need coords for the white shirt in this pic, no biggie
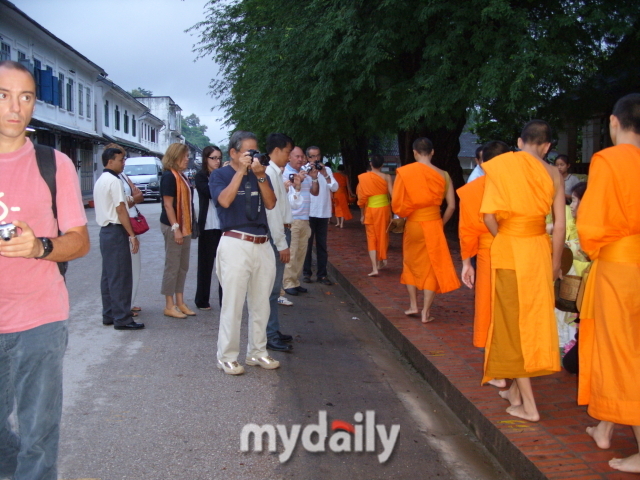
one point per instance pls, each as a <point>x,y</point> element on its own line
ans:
<point>128,193</point>
<point>280,215</point>
<point>108,193</point>
<point>476,173</point>
<point>321,204</point>
<point>212,222</point>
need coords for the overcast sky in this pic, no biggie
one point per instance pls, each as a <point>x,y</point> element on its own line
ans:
<point>139,43</point>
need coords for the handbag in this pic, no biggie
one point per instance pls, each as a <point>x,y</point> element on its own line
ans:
<point>139,223</point>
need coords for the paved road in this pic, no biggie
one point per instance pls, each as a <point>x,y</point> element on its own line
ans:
<point>151,404</point>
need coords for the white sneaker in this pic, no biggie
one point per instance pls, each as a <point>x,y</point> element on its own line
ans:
<point>284,301</point>
<point>231,368</point>
<point>265,362</point>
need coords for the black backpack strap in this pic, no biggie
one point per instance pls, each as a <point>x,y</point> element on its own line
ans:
<point>46,158</point>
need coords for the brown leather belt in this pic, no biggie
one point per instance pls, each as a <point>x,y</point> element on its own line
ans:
<point>287,225</point>
<point>246,236</point>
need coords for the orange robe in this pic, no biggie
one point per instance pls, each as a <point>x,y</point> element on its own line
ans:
<point>609,228</point>
<point>523,337</point>
<point>341,197</point>
<point>417,195</point>
<point>376,219</point>
<point>475,239</point>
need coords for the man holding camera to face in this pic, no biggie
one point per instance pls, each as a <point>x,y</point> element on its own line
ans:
<point>245,263</point>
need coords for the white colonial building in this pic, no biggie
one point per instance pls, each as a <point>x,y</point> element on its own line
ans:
<point>169,112</point>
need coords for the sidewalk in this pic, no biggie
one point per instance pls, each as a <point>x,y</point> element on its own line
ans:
<point>557,447</point>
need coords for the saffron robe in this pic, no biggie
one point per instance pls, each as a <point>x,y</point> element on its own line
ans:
<point>376,219</point>
<point>519,191</point>
<point>341,197</point>
<point>608,223</point>
<point>417,195</point>
<point>475,240</point>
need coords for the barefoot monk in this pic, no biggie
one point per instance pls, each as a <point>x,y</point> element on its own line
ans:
<point>374,190</point>
<point>418,192</point>
<point>521,188</point>
<point>609,230</point>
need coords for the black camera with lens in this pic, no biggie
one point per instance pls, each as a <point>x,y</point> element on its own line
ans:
<point>263,158</point>
<point>318,165</point>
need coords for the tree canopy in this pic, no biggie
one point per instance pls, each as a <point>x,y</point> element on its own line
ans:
<point>194,132</point>
<point>336,73</point>
<point>141,92</point>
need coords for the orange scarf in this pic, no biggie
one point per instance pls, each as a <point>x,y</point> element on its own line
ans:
<point>183,203</point>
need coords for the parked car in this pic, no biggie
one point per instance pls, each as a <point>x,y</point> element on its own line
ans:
<point>145,173</point>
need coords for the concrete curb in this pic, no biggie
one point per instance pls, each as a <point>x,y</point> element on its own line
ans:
<point>508,455</point>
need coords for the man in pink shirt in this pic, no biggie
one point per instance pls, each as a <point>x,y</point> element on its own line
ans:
<point>34,302</point>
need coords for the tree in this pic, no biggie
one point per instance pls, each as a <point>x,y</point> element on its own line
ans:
<point>141,92</point>
<point>337,73</point>
<point>194,132</point>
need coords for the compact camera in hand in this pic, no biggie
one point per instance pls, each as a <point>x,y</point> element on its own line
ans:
<point>263,158</point>
<point>8,231</point>
<point>310,166</point>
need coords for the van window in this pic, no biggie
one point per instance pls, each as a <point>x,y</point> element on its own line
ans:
<point>140,170</point>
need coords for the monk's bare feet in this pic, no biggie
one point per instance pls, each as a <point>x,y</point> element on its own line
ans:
<point>411,312</point>
<point>500,383</point>
<point>426,318</point>
<point>600,436</point>
<point>630,464</point>
<point>519,411</point>
<point>382,263</point>
<point>373,274</point>
<point>513,397</point>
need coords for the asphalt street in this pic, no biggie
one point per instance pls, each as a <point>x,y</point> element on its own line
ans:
<point>151,404</point>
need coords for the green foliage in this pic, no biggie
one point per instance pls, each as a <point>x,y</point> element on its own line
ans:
<point>141,92</point>
<point>194,132</point>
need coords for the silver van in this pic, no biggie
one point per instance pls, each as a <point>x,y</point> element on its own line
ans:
<point>145,173</point>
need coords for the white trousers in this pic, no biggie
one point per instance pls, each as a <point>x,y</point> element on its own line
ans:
<point>245,270</point>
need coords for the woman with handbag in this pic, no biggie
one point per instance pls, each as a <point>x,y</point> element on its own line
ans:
<point>209,226</point>
<point>176,226</point>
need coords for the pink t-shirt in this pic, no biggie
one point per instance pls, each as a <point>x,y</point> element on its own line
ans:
<point>32,292</point>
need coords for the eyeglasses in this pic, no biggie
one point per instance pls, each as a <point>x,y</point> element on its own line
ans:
<point>214,158</point>
<point>315,156</point>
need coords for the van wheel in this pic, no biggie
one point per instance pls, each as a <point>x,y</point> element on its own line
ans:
<point>157,199</point>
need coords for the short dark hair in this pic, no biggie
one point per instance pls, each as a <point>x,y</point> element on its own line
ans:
<point>536,132</point>
<point>627,111</point>
<point>110,154</point>
<point>238,137</point>
<point>10,64</point>
<point>278,140</point>
<point>312,147</point>
<point>479,151</point>
<point>564,158</point>
<point>423,145</point>
<point>377,161</point>
<point>341,168</point>
<point>579,189</point>
<point>493,149</point>
<point>208,150</point>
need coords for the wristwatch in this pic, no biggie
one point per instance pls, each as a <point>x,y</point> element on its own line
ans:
<point>262,180</point>
<point>47,244</point>
<point>175,227</point>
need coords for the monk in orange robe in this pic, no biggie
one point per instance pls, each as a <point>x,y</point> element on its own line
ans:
<point>374,190</point>
<point>418,192</point>
<point>609,229</point>
<point>341,197</point>
<point>475,240</point>
<point>522,341</point>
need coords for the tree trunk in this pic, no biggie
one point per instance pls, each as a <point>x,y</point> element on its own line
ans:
<point>355,156</point>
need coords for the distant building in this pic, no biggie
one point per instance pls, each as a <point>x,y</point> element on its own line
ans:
<point>169,112</point>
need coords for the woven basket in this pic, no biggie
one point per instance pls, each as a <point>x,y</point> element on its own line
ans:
<point>569,287</point>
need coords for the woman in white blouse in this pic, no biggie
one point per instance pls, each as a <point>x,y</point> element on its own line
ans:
<point>209,226</point>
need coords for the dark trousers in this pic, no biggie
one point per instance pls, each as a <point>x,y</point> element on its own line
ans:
<point>274,323</point>
<point>117,276</point>
<point>319,227</point>
<point>207,247</point>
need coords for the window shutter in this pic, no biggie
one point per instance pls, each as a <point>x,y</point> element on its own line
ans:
<point>46,86</point>
<point>56,90</point>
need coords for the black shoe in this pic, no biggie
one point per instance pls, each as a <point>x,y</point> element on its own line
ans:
<point>277,345</point>
<point>130,326</point>
<point>325,281</point>
<point>283,337</point>
<point>306,279</point>
<point>291,291</point>
<point>302,289</point>
<point>107,322</point>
